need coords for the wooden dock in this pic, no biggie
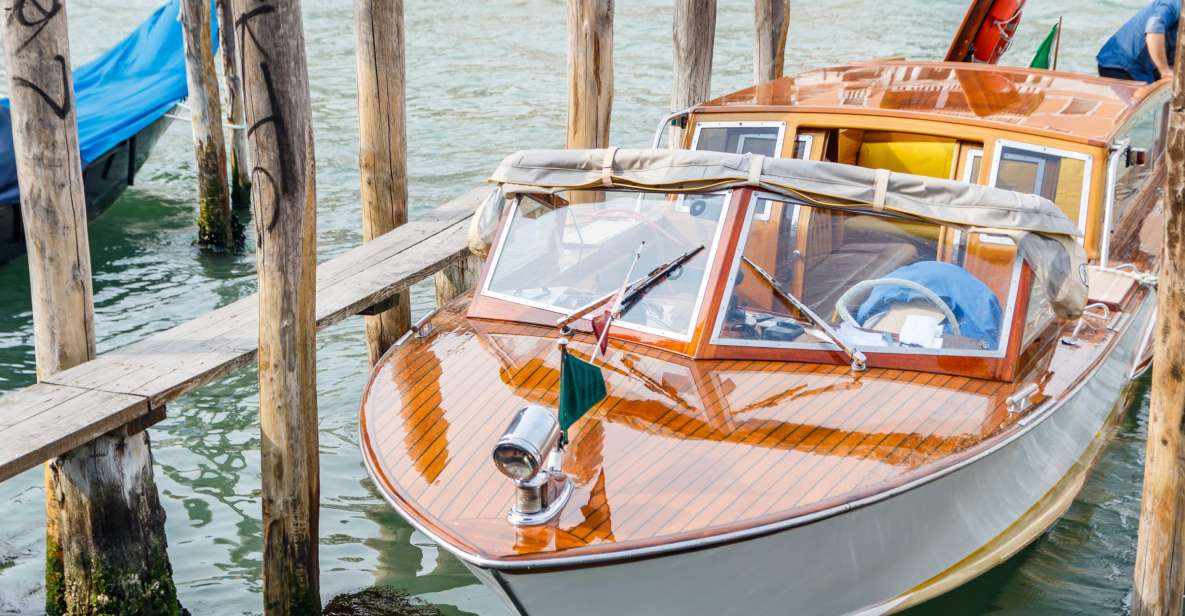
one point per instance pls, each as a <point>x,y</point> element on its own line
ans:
<point>132,385</point>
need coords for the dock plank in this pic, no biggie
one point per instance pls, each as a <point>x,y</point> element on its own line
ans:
<point>74,406</point>
<point>55,419</point>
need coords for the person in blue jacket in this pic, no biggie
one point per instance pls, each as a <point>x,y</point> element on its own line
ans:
<point>1145,47</point>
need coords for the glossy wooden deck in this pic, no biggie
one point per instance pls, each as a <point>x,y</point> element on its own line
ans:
<point>1056,104</point>
<point>680,448</point>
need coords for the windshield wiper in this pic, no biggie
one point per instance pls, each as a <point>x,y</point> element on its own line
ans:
<point>633,291</point>
<point>859,361</point>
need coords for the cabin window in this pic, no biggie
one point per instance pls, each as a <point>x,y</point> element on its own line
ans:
<point>844,265</point>
<point>739,137</point>
<point>562,252</point>
<point>971,167</point>
<point>802,146</point>
<point>1144,132</point>
<point>1062,177</point>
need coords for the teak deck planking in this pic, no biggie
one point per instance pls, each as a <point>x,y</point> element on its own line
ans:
<point>76,405</point>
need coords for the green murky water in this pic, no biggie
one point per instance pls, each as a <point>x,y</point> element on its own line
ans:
<point>484,79</point>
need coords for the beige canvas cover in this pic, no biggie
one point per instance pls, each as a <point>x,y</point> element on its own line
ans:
<point>1045,235</point>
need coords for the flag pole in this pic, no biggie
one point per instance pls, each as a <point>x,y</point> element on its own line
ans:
<point>1057,42</point>
<point>562,342</point>
<point>617,301</point>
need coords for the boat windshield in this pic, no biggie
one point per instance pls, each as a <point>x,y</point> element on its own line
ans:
<point>884,284</point>
<point>562,252</point>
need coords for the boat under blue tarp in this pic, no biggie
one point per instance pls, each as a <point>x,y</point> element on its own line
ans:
<point>123,93</point>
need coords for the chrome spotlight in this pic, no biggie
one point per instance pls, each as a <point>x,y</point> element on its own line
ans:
<point>522,454</point>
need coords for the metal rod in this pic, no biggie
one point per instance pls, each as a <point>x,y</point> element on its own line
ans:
<point>859,360</point>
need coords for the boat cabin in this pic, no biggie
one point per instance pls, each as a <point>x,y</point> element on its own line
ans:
<point>1089,144</point>
<point>561,252</point>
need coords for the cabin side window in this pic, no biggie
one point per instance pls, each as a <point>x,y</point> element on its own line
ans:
<point>1061,176</point>
<point>739,137</point>
<point>1144,132</point>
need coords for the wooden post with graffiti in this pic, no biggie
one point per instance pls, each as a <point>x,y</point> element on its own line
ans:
<point>105,538</point>
<point>590,72</point>
<point>382,149</point>
<point>240,178</point>
<point>270,37</point>
<point>215,222</point>
<point>693,35</point>
<point>771,24</point>
<point>1159,581</point>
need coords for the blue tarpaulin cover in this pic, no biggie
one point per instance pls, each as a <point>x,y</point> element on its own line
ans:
<point>974,304</point>
<point>119,93</point>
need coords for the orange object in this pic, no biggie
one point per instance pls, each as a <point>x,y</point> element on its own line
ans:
<point>995,34</point>
<point>986,31</point>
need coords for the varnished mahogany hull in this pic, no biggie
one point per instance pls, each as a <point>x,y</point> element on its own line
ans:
<point>872,555</point>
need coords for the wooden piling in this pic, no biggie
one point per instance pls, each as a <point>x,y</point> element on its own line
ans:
<point>283,190</point>
<point>1159,581</point>
<point>771,24</point>
<point>382,150</point>
<point>105,542</point>
<point>693,35</point>
<point>240,170</point>
<point>457,279</point>
<point>590,72</point>
<point>214,221</point>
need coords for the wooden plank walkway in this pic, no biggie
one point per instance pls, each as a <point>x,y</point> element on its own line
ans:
<point>133,383</point>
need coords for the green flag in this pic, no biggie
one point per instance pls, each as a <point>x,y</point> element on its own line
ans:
<point>582,386</point>
<point>1044,56</point>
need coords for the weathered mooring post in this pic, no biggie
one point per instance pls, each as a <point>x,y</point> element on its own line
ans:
<point>214,221</point>
<point>105,541</point>
<point>1159,581</point>
<point>771,24</point>
<point>283,190</point>
<point>240,171</point>
<point>693,35</point>
<point>590,72</point>
<point>382,147</point>
<point>457,279</point>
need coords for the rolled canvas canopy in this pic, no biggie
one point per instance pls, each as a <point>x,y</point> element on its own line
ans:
<point>1045,235</point>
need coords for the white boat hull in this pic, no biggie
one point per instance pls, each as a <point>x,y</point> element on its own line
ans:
<point>872,557</point>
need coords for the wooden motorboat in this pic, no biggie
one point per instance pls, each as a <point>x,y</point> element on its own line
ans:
<point>894,321</point>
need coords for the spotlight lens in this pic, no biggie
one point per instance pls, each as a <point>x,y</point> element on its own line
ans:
<point>514,462</point>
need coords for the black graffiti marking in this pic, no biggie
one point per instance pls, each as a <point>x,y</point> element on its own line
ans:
<point>271,180</point>
<point>60,110</point>
<point>18,10</point>
<point>280,128</point>
<point>242,24</point>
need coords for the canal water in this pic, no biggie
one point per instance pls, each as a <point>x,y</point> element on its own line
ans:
<point>485,79</point>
